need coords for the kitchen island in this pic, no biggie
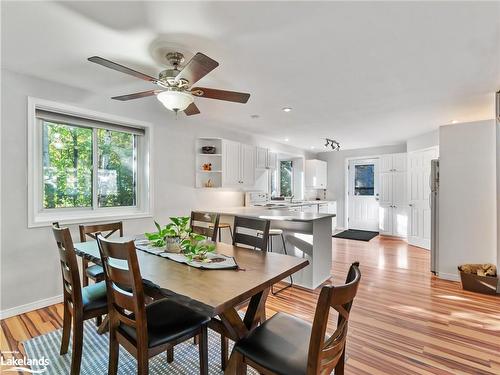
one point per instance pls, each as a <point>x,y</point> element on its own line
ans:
<point>307,235</point>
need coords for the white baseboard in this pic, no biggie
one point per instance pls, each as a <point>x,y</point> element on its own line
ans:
<point>7,313</point>
<point>448,276</point>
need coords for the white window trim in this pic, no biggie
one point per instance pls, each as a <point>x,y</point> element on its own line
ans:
<point>40,218</point>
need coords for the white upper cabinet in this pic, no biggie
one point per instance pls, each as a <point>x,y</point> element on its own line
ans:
<point>247,169</point>
<point>272,160</point>
<point>232,164</point>
<point>399,162</point>
<point>385,164</point>
<point>316,174</point>
<point>265,159</point>
<point>239,165</point>
<point>261,157</point>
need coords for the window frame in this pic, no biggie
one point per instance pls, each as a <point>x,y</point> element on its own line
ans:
<point>39,216</point>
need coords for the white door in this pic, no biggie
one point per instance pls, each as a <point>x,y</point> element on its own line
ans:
<point>247,173</point>
<point>385,188</point>
<point>385,219</point>
<point>231,171</point>
<point>419,224</point>
<point>399,221</point>
<point>363,191</point>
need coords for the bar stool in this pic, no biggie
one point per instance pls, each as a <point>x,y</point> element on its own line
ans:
<point>223,226</point>
<point>273,233</point>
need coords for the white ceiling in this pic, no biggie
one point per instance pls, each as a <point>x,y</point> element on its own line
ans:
<point>366,74</point>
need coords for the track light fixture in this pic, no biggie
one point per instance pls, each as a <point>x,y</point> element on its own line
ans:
<point>332,143</point>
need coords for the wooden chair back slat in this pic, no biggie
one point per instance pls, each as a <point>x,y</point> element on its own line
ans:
<point>69,266</point>
<point>106,229</point>
<point>124,285</point>
<point>205,217</point>
<point>324,354</point>
<point>253,224</point>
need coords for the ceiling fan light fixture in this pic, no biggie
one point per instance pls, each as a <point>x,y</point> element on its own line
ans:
<point>175,100</point>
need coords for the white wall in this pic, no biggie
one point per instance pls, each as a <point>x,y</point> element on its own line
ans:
<point>467,196</point>
<point>423,141</point>
<point>336,172</point>
<point>29,267</point>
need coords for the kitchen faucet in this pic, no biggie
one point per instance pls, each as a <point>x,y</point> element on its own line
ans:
<point>291,198</point>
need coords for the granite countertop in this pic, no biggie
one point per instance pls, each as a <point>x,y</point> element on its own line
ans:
<point>270,214</point>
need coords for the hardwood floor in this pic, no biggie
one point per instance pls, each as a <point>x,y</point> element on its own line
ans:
<point>403,320</point>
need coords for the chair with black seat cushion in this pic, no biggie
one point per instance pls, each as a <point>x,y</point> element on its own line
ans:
<point>144,331</point>
<point>211,222</point>
<point>80,304</point>
<point>286,345</point>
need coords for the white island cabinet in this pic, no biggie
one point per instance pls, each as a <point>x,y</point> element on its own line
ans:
<point>307,235</point>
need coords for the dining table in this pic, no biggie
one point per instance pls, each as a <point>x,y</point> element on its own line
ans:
<point>216,293</point>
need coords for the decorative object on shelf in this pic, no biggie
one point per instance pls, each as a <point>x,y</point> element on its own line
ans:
<point>208,149</point>
<point>333,144</point>
<point>175,89</point>
<point>209,183</point>
<point>207,167</point>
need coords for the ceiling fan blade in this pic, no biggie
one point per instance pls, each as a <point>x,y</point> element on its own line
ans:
<point>192,109</point>
<point>121,68</point>
<point>198,67</point>
<point>230,96</point>
<point>137,95</point>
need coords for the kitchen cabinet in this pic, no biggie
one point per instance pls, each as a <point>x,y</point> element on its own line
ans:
<point>392,195</point>
<point>261,157</point>
<point>239,164</point>
<point>329,208</point>
<point>265,159</point>
<point>247,168</point>
<point>315,174</point>
<point>272,160</point>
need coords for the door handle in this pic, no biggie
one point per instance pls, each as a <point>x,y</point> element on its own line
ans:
<point>411,205</point>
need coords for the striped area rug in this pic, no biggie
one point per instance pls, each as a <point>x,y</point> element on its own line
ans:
<point>95,355</point>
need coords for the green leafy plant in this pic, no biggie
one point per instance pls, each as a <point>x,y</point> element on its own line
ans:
<point>179,227</point>
<point>197,248</point>
<point>158,239</point>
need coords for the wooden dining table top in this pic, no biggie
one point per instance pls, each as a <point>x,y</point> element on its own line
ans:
<point>216,290</point>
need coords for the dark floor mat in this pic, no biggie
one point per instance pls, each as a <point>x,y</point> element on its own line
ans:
<point>358,235</point>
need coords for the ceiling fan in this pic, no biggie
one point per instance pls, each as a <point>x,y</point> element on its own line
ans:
<point>176,92</point>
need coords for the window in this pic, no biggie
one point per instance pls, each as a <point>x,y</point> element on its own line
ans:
<point>86,167</point>
<point>286,178</point>
<point>364,181</point>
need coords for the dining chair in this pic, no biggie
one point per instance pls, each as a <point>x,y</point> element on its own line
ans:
<point>94,271</point>
<point>211,222</point>
<point>251,232</point>
<point>144,331</point>
<point>80,304</point>
<point>286,345</point>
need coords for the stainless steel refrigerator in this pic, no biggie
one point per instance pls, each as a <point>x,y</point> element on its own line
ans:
<point>434,203</point>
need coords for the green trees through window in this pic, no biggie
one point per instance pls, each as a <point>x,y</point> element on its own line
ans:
<point>68,165</point>
<point>286,171</point>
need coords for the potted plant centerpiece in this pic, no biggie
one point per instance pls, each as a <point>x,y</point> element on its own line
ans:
<point>177,236</point>
<point>171,235</point>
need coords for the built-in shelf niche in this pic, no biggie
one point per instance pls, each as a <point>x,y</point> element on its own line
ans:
<point>215,174</point>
